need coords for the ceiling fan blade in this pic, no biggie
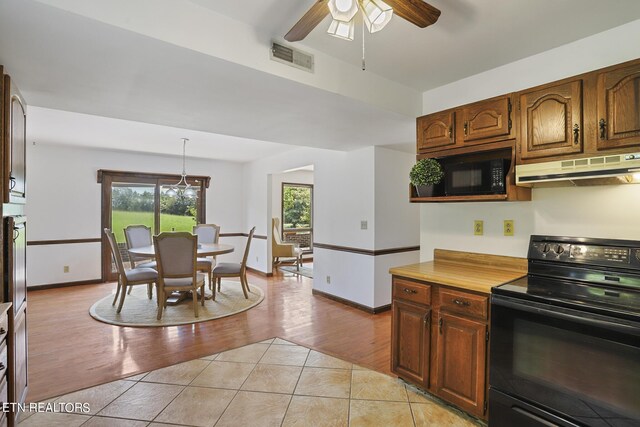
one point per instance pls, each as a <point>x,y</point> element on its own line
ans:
<point>415,11</point>
<point>308,22</point>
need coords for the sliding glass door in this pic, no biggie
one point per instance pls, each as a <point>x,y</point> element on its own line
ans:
<point>130,198</point>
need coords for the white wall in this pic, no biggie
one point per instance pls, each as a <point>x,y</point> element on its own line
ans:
<point>609,211</point>
<point>367,184</point>
<point>64,202</point>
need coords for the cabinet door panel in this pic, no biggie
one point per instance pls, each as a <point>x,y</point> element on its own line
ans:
<point>487,119</point>
<point>619,107</point>
<point>551,121</point>
<point>436,131</point>
<point>461,362</point>
<point>411,341</point>
<point>15,144</point>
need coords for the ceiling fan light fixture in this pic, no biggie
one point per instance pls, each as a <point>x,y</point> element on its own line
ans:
<point>376,13</point>
<point>342,30</point>
<point>343,10</point>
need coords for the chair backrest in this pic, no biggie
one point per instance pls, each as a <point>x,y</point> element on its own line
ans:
<point>246,249</point>
<point>207,233</point>
<point>115,252</point>
<point>137,236</point>
<point>275,234</point>
<point>176,254</point>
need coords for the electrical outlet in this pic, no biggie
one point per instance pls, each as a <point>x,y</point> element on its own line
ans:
<point>478,227</point>
<point>363,224</point>
<point>65,269</point>
<point>508,227</point>
<point>328,280</point>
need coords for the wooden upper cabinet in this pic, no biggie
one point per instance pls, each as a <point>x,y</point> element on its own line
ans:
<point>486,119</point>
<point>15,144</point>
<point>436,131</point>
<point>551,121</point>
<point>618,99</point>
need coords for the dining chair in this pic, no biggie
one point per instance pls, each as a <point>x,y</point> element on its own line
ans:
<point>176,254</point>
<point>207,233</point>
<point>129,278</point>
<point>233,269</point>
<point>137,236</point>
<point>281,250</point>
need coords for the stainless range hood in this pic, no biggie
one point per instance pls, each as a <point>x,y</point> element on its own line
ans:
<point>601,170</point>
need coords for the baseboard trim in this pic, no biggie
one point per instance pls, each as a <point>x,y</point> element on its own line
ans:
<point>260,273</point>
<point>370,310</point>
<point>64,284</point>
<point>369,252</point>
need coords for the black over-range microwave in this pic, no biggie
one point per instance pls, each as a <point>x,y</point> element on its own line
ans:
<point>475,177</point>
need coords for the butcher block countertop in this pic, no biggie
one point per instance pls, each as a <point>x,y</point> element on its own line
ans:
<point>465,270</point>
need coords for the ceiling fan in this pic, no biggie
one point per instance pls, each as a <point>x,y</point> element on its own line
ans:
<point>376,14</point>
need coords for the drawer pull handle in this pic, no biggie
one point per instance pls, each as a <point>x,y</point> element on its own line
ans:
<point>462,303</point>
<point>1,365</point>
<point>2,331</point>
<point>410,291</point>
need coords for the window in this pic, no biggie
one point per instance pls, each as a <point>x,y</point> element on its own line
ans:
<point>139,198</point>
<point>297,214</point>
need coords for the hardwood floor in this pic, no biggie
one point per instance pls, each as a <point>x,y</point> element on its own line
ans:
<point>69,350</point>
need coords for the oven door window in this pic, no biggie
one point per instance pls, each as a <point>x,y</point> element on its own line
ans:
<point>586,371</point>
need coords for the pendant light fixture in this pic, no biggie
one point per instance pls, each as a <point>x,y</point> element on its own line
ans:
<point>182,187</point>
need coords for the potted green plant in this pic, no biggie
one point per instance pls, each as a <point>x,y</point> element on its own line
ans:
<point>424,175</point>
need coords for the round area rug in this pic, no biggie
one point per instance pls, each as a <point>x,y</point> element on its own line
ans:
<point>138,310</point>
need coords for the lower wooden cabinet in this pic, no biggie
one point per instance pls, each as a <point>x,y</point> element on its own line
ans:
<point>441,346</point>
<point>462,362</point>
<point>411,338</point>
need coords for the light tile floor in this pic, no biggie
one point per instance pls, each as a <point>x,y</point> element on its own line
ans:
<point>271,383</point>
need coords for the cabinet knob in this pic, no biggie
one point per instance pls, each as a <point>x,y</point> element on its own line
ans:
<point>466,128</point>
<point>603,128</point>
<point>451,133</point>
<point>576,134</point>
<point>410,291</point>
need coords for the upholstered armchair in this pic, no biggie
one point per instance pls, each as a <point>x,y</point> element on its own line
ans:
<point>283,252</point>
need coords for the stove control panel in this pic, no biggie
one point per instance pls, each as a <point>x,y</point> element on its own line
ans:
<point>551,250</point>
<point>603,253</point>
<point>586,251</point>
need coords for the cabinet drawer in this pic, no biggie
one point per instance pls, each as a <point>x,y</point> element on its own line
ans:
<point>411,291</point>
<point>464,303</point>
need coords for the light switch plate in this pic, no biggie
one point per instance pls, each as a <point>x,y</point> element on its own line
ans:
<point>508,227</point>
<point>363,224</point>
<point>478,227</point>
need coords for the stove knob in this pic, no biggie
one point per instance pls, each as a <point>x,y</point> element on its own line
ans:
<point>546,248</point>
<point>559,249</point>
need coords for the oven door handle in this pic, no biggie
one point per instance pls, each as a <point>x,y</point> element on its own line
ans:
<point>589,319</point>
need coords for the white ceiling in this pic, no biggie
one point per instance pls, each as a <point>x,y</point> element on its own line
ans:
<point>65,58</point>
<point>470,36</point>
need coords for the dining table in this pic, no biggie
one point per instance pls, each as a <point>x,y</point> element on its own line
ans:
<point>204,250</point>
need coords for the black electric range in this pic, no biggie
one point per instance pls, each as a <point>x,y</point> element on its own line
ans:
<point>565,339</point>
